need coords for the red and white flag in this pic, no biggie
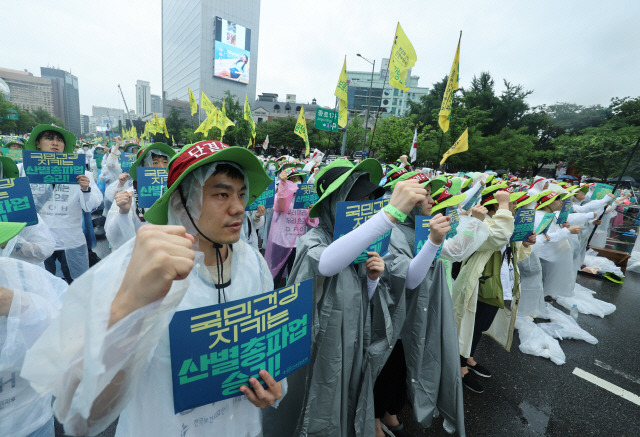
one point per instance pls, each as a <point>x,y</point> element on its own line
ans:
<point>413,154</point>
<point>265,145</point>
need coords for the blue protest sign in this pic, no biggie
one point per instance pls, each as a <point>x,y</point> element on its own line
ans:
<point>14,154</point>
<point>265,199</point>
<point>524,222</point>
<point>126,159</point>
<point>454,221</point>
<point>305,196</point>
<point>567,208</point>
<point>16,201</point>
<point>545,224</point>
<point>216,349</point>
<point>423,229</point>
<point>151,183</point>
<point>53,168</point>
<point>350,215</point>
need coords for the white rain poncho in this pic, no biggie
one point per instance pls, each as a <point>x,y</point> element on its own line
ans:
<point>634,262</point>
<point>33,244</point>
<point>120,228</point>
<point>61,207</point>
<point>78,356</point>
<point>556,258</point>
<point>36,300</point>
<point>110,168</point>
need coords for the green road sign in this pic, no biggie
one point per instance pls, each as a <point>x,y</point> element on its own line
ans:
<point>12,115</point>
<point>326,119</point>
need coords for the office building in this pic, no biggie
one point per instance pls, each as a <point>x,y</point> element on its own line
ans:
<point>156,105</point>
<point>210,46</point>
<point>66,96</point>
<point>26,91</point>
<point>143,98</point>
<point>391,101</point>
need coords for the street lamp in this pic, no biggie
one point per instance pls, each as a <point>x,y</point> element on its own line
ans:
<point>366,123</point>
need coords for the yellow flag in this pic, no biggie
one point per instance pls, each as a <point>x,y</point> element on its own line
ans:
<point>164,124</point>
<point>301,130</point>
<point>249,117</point>
<point>341,88</point>
<point>342,113</point>
<point>403,57</point>
<point>134,132</point>
<point>206,104</point>
<point>173,142</point>
<point>452,84</point>
<point>462,145</point>
<point>192,102</point>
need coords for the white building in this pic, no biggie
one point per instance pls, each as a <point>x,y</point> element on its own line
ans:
<point>143,97</point>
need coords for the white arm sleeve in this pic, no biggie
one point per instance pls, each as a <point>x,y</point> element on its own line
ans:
<point>371,286</point>
<point>339,254</point>
<point>420,265</point>
<point>580,218</point>
<point>37,243</point>
<point>90,201</point>
<point>120,228</point>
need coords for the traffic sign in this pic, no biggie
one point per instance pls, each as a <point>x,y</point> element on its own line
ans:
<point>326,119</point>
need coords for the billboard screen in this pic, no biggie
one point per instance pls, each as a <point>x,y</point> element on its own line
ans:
<point>231,51</point>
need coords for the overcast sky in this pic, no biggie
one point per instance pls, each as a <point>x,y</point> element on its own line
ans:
<point>583,52</point>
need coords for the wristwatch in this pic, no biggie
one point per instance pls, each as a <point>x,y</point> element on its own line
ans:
<point>88,190</point>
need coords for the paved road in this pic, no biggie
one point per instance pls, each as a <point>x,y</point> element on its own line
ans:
<point>531,396</point>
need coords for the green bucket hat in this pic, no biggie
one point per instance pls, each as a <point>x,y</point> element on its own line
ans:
<point>488,193</point>
<point>69,138</point>
<point>10,143</point>
<point>466,184</point>
<point>420,177</point>
<point>196,155</point>
<point>513,197</point>
<point>456,185</point>
<point>333,175</point>
<point>129,146</point>
<point>526,200</point>
<point>546,198</point>
<point>9,168</point>
<point>144,151</point>
<point>291,172</point>
<point>8,230</point>
<point>446,200</point>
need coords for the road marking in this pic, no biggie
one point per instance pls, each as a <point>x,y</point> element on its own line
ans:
<point>617,372</point>
<point>624,394</point>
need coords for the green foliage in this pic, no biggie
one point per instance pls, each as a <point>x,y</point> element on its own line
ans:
<point>26,120</point>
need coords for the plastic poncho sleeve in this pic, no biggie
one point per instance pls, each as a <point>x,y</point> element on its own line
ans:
<point>120,228</point>
<point>594,205</point>
<point>470,235</point>
<point>37,243</point>
<point>110,169</point>
<point>500,233</point>
<point>345,249</point>
<point>94,373</point>
<point>92,200</point>
<point>579,218</point>
<point>284,195</point>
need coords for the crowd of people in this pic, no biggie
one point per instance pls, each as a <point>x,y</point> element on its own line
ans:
<point>91,344</point>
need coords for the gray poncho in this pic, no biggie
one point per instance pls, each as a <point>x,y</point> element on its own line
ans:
<point>352,339</point>
<point>429,334</point>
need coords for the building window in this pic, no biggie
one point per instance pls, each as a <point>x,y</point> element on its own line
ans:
<point>395,91</point>
<point>259,119</point>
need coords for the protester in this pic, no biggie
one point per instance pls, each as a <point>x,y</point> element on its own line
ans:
<point>61,205</point>
<point>125,216</point>
<point>287,224</point>
<point>123,306</point>
<point>29,299</point>
<point>253,221</point>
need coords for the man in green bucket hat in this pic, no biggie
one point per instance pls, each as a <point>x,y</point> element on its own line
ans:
<point>124,218</point>
<point>192,256</point>
<point>62,205</point>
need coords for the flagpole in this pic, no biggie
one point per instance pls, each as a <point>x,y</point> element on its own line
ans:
<point>615,187</point>
<point>335,108</point>
<point>384,84</point>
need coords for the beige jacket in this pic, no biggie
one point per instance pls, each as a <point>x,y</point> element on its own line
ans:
<point>465,288</point>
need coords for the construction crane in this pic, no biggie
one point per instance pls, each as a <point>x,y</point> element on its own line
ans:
<point>125,105</point>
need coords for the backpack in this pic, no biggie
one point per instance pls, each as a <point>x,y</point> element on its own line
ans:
<point>490,284</point>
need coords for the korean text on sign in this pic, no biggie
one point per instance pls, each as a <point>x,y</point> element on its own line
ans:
<point>216,349</point>
<point>523,224</point>
<point>350,215</point>
<point>266,198</point>
<point>151,184</point>
<point>423,229</point>
<point>305,196</point>
<point>16,201</point>
<point>126,159</point>
<point>53,168</point>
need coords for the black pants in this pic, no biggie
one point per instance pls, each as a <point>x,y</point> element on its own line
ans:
<point>50,265</point>
<point>390,390</point>
<point>485,314</point>
<point>286,267</point>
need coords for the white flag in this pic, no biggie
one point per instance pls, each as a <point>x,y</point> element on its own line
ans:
<point>413,153</point>
<point>265,145</point>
